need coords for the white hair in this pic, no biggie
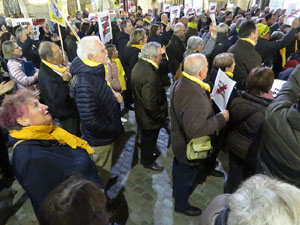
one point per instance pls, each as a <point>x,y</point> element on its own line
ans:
<point>262,200</point>
<point>149,50</point>
<point>86,47</point>
<point>223,28</point>
<point>194,42</point>
<point>194,64</point>
<point>177,27</point>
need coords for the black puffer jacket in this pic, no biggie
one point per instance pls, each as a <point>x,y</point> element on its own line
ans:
<point>149,96</point>
<point>247,115</point>
<point>175,51</point>
<point>98,109</point>
<point>131,56</point>
<point>280,151</point>
<point>121,42</point>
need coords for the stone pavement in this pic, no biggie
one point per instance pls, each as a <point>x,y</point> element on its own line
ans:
<point>148,195</point>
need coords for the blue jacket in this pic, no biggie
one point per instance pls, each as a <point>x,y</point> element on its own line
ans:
<point>99,111</point>
<point>41,165</point>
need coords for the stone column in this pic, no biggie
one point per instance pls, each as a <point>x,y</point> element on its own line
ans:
<point>11,7</point>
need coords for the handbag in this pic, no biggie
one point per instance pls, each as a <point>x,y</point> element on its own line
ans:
<point>197,148</point>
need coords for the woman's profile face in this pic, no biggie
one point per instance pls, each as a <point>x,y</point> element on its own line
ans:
<point>37,114</point>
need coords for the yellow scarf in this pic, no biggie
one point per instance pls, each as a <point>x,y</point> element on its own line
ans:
<point>60,69</point>
<point>249,40</point>
<point>121,73</point>
<point>163,22</point>
<point>230,74</point>
<point>200,82</point>
<point>137,46</point>
<point>296,46</point>
<point>91,63</point>
<point>51,132</point>
<point>148,21</point>
<point>192,25</point>
<point>150,61</point>
<point>283,56</point>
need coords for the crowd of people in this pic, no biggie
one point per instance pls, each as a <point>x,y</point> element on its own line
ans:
<point>62,111</point>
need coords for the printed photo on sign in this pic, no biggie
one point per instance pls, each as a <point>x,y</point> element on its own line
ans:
<point>176,11</point>
<point>55,7</point>
<point>167,7</point>
<point>105,30</point>
<point>212,7</point>
<point>292,12</point>
<point>277,85</point>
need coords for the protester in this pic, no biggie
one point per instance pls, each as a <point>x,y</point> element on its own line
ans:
<point>123,37</point>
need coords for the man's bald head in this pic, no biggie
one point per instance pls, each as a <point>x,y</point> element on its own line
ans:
<point>194,64</point>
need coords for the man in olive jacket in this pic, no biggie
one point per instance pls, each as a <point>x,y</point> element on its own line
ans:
<point>150,101</point>
<point>192,117</point>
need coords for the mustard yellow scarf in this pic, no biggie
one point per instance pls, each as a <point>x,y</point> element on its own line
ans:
<point>51,132</point>
<point>121,73</point>
<point>283,56</point>
<point>150,61</point>
<point>230,74</point>
<point>137,46</point>
<point>200,82</point>
<point>146,20</point>
<point>163,22</point>
<point>60,69</point>
<point>249,40</point>
<point>192,25</point>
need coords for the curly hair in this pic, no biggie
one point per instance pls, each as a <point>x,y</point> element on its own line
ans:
<point>14,106</point>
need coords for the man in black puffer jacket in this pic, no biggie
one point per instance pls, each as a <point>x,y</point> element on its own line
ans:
<point>99,110</point>
<point>280,149</point>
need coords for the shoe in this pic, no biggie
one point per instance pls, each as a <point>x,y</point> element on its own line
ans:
<point>190,211</point>
<point>154,166</point>
<point>216,173</point>
<point>156,154</point>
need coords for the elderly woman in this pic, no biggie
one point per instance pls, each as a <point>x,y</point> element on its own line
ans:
<point>44,155</point>
<point>13,53</point>
<point>247,115</point>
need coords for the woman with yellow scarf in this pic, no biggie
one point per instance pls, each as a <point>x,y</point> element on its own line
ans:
<point>44,155</point>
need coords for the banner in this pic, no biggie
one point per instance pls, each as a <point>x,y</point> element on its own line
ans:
<point>54,13</point>
<point>167,7</point>
<point>105,30</point>
<point>222,90</point>
<point>292,12</point>
<point>277,85</point>
<point>117,3</point>
<point>34,22</point>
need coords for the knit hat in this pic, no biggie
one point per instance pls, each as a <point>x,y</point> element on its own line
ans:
<point>263,30</point>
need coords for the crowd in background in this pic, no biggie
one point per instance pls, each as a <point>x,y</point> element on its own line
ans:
<point>63,111</point>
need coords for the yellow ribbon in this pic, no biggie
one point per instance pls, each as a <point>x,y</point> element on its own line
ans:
<point>283,56</point>
<point>249,40</point>
<point>137,46</point>
<point>192,25</point>
<point>230,74</point>
<point>200,82</point>
<point>148,21</point>
<point>150,61</point>
<point>51,132</point>
<point>163,22</point>
<point>296,46</point>
<point>121,73</point>
<point>60,69</point>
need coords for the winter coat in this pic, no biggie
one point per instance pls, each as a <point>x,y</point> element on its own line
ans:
<point>30,51</point>
<point>131,56</point>
<point>280,149</point>
<point>55,93</point>
<point>121,43</point>
<point>244,63</point>
<point>189,33</point>
<point>222,45</point>
<point>267,48</point>
<point>247,115</point>
<point>175,51</point>
<point>41,165</point>
<point>112,77</point>
<point>22,80</point>
<point>149,96</point>
<point>191,111</point>
<point>99,111</point>
<point>162,39</point>
<point>71,47</point>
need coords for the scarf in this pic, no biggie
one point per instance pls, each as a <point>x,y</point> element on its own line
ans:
<point>296,46</point>
<point>91,63</point>
<point>283,56</point>
<point>59,69</point>
<point>121,73</point>
<point>230,74</point>
<point>146,20</point>
<point>51,132</point>
<point>150,61</point>
<point>192,25</point>
<point>163,22</point>
<point>137,46</point>
<point>200,82</point>
<point>248,40</point>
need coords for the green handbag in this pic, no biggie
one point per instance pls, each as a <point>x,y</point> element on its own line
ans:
<point>198,148</point>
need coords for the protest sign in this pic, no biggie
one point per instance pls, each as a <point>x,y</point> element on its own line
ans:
<point>188,11</point>
<point>277,85</point>
<point>222,90</point>
<point>292,12</point>
<point>36,23</point>
<point>55,11</point>
<point>176,11</point>
<point>167,7</point>
<point>105,30</point>
<point>212,10</point>
<point>198,11</point>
